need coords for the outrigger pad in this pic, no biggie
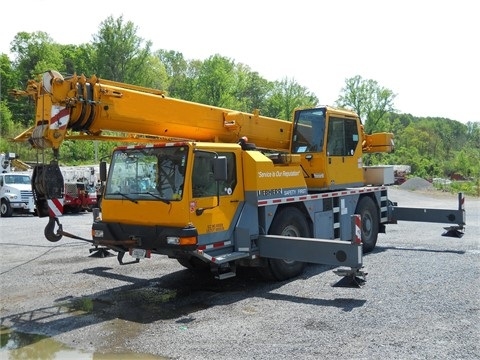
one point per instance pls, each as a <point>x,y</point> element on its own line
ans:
<point>350,282</point>
<point>453,231</point>
<point>352,278</point>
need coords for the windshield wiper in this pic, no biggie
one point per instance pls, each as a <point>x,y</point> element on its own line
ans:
<point>125,196</point>
<point>156,197</point>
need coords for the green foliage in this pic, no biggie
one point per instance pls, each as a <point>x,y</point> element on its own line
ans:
<point>36,53</point>
<point>176,69</point>
<point>6,124</point>
<point>368,99</point>
<point>286,96</point>
<point>216,83</point>
<point>120,54</point>
<point>84,304</point>
<point>434,147</point>
<point>471,187</point>
<point>79,59</point>
<point>7,76</point>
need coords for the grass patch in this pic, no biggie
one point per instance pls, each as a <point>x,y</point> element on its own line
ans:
<point>468,187</point>
<point>82,304</point>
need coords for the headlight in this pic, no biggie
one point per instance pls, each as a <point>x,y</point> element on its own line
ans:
<point>12,196</point>
<point>173,240</point>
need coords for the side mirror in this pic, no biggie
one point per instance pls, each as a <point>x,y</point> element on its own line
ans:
<point>220,168</point>
<point>103,171</point>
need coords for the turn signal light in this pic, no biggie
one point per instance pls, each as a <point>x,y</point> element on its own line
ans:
<point>175,240</point>
<point>192,240</point>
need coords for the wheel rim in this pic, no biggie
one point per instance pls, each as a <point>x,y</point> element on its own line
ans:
<point>367,225</point>
<point>292,231</point>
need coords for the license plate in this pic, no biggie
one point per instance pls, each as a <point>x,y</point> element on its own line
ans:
<point>139,253</point>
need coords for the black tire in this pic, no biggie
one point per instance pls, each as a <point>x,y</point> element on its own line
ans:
<point>6,209</point>
<point>75,210</point>
<point>367,209</point>
<point>289,222</point>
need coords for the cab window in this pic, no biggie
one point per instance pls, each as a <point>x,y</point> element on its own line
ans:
<point>342,137</point>
<point>203,183</point>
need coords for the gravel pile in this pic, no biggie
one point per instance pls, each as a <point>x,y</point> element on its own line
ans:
<point>416,183</point>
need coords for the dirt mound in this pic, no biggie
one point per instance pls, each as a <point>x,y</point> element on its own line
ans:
<point>416,183</point>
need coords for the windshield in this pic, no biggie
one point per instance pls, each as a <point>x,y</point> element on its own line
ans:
<point>17,179</point>
<point>147,173</point>
<point>309,130</point>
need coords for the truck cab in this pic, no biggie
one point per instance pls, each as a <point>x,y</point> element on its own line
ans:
<point>16,194</point>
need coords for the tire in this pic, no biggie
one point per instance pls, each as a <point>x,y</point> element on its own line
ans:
<point>75,210</point>
<point>368,211</point>
<point>6,209</point>
<point>289,222</point>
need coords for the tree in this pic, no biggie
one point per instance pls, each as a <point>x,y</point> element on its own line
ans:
<point>6,125</point>
<point>120,54</point>
<point>176,68</point>
<point>79,59</point>
<point>285,97</point>
<point>7,77</point>
<point>251,89</point>
<point>216,82</point>
<point>35,53</point>
<point>154,74</point>
<point>368,99</point>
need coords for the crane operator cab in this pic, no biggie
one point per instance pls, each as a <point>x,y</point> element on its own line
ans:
<point>328,141</point>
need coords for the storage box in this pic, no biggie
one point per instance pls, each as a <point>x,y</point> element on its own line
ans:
<point>378,175</point>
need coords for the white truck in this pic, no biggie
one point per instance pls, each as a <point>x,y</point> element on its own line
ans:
<point>15,189</point>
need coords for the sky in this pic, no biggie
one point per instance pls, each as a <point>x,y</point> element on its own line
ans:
<point>425,51</point>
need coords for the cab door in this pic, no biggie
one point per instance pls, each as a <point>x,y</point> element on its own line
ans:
<point>214,205</point>
<point>344,153</point>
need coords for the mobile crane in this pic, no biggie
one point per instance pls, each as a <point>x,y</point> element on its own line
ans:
<point>216,188</point>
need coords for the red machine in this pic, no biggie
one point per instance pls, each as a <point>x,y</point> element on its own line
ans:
<point>79,197</point>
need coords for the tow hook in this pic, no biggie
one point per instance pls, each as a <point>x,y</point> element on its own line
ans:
<point>49,230</point>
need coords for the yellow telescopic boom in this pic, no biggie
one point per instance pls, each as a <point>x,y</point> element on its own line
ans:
<point>86,108</point>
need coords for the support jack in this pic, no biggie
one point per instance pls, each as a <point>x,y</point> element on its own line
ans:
<point>453,231</point>
<point>352,278</point>
<point>100,252</point>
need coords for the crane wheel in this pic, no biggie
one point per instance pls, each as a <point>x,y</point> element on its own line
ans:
<point>288,222</point>
<point>370,224</point>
